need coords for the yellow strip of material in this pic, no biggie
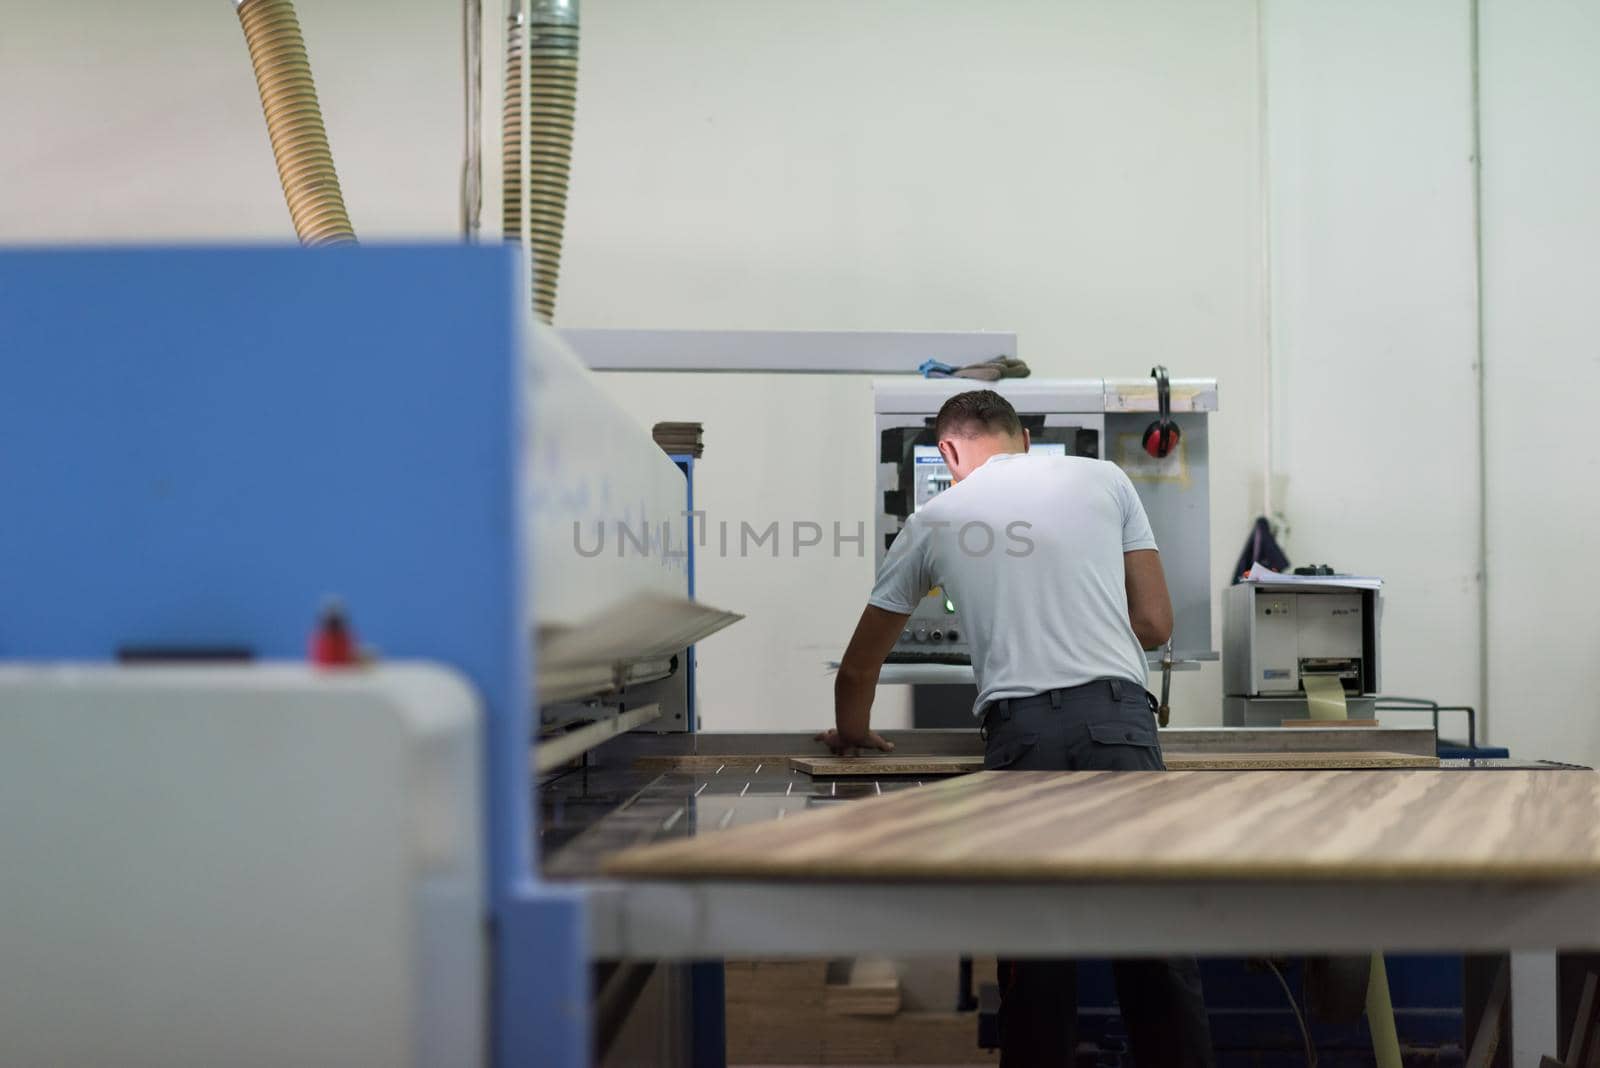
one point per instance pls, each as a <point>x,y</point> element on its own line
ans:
<point>1325,696</point>
<point>1380,1016</point>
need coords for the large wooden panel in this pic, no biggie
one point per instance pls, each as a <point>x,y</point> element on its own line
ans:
<point>1030,826</point>
<point>889,764</point>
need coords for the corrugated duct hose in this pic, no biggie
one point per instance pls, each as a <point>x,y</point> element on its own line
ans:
<point>548,30</point>
<point>294,122</point>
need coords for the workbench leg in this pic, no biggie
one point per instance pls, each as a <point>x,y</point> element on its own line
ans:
<point>1571,971</point>
<point>542,991</point>
<point>1533,1007</point>
<point>1478,975</point>
<point>708,996</point>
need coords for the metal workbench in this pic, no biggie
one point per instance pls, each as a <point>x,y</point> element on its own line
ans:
<point>589,813</point>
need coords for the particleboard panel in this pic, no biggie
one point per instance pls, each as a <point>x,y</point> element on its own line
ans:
<point>1291,761</point>
<point>1334,724</point>
<point>1292,825</point>
<point>877,767</point>
<point>887,764</point>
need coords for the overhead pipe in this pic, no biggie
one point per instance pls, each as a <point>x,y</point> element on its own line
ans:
<point>511,126</point>
<point>543,36</point>
<point>294,122</point>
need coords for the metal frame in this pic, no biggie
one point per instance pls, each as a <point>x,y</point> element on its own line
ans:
<point>687,921</point>
<point>1423,704</point>
<point>669,920</point>
<point>685,462</point>
<point>553,751</point>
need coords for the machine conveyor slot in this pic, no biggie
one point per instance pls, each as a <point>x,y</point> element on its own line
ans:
<point>619,644</point>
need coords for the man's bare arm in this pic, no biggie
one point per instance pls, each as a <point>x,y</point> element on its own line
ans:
<point>857,680</point>
<point>1149,605</point>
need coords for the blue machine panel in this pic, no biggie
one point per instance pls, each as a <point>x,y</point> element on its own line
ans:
<point>197,446</point>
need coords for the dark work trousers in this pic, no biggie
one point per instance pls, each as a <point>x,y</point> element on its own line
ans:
<point>1101,726</point>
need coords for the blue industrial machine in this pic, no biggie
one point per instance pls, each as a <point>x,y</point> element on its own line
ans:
<point>196,448</point>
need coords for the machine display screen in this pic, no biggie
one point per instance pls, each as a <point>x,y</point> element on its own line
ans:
<point>932,476</point>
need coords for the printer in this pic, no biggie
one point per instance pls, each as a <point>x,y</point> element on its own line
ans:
<point>1296,649</point>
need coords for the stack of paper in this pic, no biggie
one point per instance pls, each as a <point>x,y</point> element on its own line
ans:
<point>1265,576</point>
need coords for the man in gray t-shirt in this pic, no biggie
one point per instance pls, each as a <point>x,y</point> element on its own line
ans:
<point>1033,549</point>
<point>1059,582</point>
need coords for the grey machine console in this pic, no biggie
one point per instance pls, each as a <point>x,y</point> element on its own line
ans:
<point>1097,418</point>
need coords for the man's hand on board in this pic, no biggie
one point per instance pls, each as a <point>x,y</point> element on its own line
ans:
<point>839,745</point>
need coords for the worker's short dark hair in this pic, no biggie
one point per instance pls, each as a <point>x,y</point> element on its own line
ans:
<point>977,411</point>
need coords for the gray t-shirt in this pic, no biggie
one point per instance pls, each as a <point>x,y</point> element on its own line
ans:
<point>1029,547</point>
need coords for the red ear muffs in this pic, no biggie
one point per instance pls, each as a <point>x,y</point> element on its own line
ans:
<point>1161,436</point>
<point>1160,440</point>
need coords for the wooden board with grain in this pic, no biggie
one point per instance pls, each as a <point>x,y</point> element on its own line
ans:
<point>1177,825</point>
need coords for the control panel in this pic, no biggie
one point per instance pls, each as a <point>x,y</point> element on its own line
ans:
<point>935,633</point>
<point>1092,417</point>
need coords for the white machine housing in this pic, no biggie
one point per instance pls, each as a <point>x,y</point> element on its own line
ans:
<point>254,865</point>
<point>606,507</point>
<point>608,538</point>
<point>1275,636</point>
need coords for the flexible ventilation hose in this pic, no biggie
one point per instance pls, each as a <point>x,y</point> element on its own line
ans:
<point>548,31</point>
<point>511,132</point>
<point>294,122</point>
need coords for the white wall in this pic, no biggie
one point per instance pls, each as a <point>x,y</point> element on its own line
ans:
<point>1081,173</point>
<point>1084,173</point>
<point>1369,139</point>
<point>1541,229</point>
<point>142,122</point>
